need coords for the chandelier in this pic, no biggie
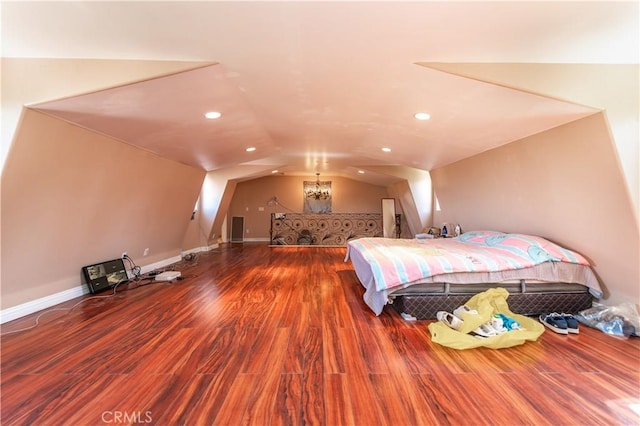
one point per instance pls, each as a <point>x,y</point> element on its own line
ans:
<point>317,192</point>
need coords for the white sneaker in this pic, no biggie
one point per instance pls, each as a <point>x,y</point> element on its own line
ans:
<point>485,330</point>
<point>463,309</point>
<point>449,319</point>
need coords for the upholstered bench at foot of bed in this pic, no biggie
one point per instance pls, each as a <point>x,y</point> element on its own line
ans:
<point>425,306</point>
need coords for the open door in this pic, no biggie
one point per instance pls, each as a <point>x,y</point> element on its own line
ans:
<point>237,229</point>
<point>389,217</point>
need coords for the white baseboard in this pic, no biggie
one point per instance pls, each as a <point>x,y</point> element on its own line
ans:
<point>24,309</point>
<point>157,265</point>
<point>202,248</point>
<point>19,311</point>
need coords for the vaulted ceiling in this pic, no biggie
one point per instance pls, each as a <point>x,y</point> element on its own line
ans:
<point>320,86</point>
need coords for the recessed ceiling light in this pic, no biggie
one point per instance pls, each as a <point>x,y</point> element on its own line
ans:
<point>361,172</point>
<point>212,115</point>
<point>251,149</point>
<point>422,116</point>
<point>386,149</point>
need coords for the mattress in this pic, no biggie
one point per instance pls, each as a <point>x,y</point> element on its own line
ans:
<point>551,277</point>
<point>534,298</point>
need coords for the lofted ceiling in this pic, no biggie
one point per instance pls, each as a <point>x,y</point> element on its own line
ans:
<point>320,86</point>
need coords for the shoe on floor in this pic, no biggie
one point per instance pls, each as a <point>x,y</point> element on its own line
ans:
<point>463,309</point>
<point>449,319</point>
<point>555,322</point>
<point>486,330</point>
<point>572,323</point>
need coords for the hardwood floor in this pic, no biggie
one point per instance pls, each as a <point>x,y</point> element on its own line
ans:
<point>280,336</point>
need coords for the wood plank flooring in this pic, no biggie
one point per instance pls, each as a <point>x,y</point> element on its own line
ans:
<point>255,335</point>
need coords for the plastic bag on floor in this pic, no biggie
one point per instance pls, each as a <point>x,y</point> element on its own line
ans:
<point>487,304</point>
<point>620,320</point>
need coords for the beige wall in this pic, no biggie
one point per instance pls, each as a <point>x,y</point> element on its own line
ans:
<point>71,197</point>
<point>406,205</point>
<point>26,81</point>
<point>614,88</point>
<point>348,196</point>
<point>564,184</point>
<point>414,193</point>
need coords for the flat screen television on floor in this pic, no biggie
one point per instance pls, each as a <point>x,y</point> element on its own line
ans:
<point>105,275</point>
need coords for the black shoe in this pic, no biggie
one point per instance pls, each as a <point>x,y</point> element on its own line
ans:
<point>572,323</point>
<point>555,322</point>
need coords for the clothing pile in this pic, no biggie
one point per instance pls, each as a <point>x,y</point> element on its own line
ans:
<point>485,320</point>
<point>619,321</point>
<point>499,323</point>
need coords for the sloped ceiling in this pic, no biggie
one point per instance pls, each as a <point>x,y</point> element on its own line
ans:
<point>320,86</point>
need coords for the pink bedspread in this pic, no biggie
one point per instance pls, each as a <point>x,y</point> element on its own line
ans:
<point>395,262</point>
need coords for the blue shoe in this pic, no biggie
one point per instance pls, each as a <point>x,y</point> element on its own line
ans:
<point>555,322</point>
<point>572,323</point>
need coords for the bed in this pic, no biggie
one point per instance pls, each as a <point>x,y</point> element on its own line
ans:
<point>420,277</point>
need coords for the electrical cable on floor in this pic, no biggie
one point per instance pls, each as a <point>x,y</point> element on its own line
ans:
<point>37,321</point>
<point>137,279</point>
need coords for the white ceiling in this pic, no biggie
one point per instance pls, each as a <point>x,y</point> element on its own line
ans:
<point>320,86</point>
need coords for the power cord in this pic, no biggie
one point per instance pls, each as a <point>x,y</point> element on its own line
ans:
<point>135,269</point>
<point>138,278</point>
<point>37,321</point>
